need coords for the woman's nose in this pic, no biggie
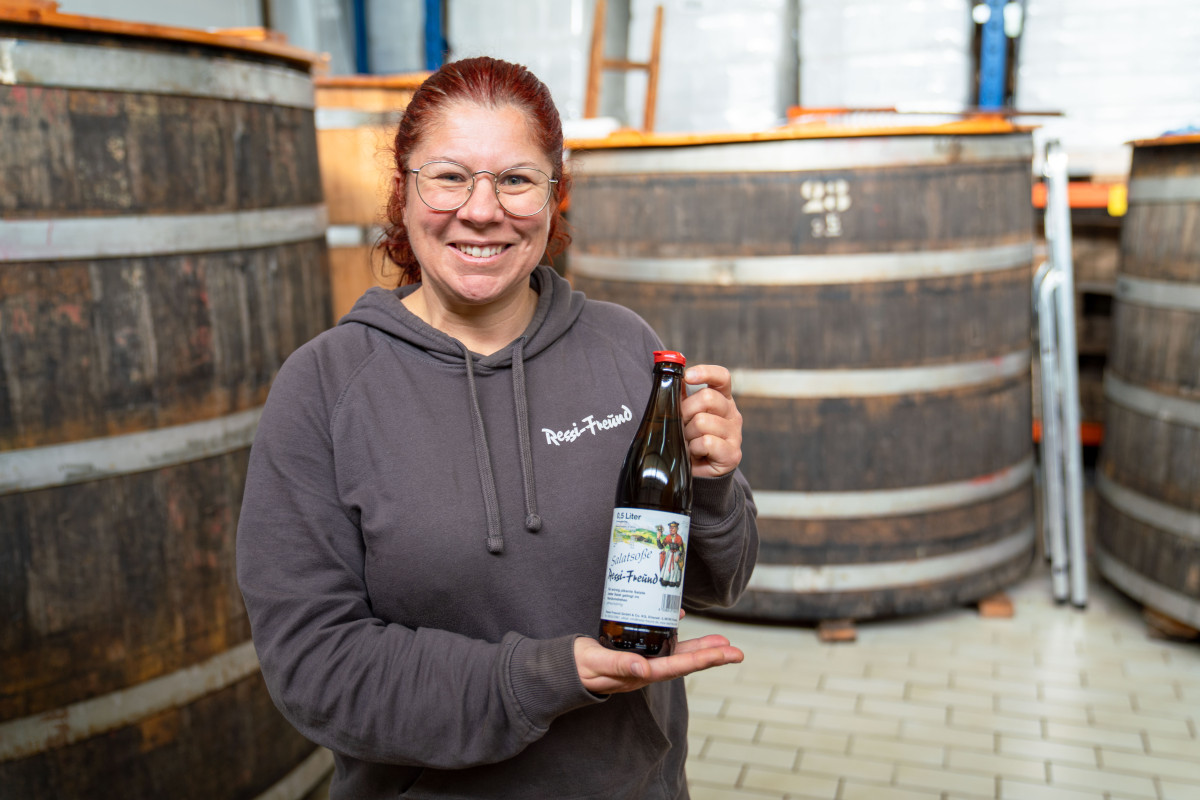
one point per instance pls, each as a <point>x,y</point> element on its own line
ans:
<point>484,204</point>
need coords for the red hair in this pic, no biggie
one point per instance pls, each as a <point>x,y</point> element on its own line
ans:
<point>490,83</point>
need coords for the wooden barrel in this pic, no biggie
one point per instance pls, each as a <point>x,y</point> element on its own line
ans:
<point>162,250</point>
<point>870,294</point>
<point>356,121</point>
<point>1148,477</point>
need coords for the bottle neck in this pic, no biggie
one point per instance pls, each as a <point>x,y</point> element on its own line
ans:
<point>668,381</point>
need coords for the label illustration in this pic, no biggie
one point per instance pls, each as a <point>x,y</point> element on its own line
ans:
<point>645,567</point>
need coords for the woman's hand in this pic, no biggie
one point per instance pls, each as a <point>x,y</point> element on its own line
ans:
<point>605,671</point>
<point>712,423</point>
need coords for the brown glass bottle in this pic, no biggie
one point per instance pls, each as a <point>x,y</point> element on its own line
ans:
<point>644,580</point>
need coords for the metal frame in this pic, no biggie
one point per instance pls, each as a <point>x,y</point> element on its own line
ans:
<point>1061,453</point>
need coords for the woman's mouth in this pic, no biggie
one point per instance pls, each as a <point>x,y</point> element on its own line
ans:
<point>481,252</point>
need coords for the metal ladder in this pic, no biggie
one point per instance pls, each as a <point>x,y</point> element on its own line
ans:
<point>1060,449</point>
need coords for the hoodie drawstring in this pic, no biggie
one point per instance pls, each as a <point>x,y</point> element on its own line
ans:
<point>491,504</point>
<point>533,522</point>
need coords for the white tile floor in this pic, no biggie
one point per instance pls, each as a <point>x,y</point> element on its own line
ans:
<point>1053,704</point>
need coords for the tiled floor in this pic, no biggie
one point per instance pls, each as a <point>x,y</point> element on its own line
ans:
<point>1052,704</point>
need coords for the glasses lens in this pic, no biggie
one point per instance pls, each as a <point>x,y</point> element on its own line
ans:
<point>523,191</point>
<point>444,185</point>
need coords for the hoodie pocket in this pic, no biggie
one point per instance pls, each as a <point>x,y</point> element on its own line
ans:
<point>610,751</point>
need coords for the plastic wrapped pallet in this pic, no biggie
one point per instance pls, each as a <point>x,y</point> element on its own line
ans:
<point>210,14</point>
<point>396,36</point>
<point>723,67</point>
<point>1118,71</point>
<point>870,53</point>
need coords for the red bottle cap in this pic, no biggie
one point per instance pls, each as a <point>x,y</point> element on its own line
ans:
<point>669,355</point>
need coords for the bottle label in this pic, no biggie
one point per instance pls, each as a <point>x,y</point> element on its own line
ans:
<point>645,567</point>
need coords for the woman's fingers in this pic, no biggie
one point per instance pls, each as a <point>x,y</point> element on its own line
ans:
<point>712,422</point>
<point>605,671</point>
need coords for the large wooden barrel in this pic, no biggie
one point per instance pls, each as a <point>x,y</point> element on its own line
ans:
<point>1148,477</point>
<point>870,293</point>
<point>162,250</point>
<point>356,120</point>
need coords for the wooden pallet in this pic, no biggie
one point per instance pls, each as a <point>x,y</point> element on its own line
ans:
<point>1161,626</point>
<point>837,630</point>
<point>995,606</point>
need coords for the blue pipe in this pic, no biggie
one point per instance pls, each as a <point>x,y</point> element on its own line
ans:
<point>435,36</point>
<point>362,61</point>
<point>993,52</point>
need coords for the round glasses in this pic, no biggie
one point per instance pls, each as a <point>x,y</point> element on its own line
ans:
<point>447,186</point>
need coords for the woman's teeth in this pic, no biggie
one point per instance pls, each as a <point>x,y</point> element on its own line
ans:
<point>480,252</point>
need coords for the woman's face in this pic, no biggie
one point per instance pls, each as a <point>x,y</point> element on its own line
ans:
<point>478,254</point>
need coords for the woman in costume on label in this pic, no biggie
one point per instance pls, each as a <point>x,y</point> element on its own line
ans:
<point>423,576</point>
<point>673,549</point>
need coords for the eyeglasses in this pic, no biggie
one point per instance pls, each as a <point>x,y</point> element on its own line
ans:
<point>447,186</point>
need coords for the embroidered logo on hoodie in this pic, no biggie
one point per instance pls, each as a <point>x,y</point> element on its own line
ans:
<point>588,424</point>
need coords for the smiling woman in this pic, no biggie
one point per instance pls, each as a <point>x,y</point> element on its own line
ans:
<point>423,570</point>
<point>475,258</point>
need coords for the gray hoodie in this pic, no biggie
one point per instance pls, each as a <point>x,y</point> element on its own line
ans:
<point>424,535</point>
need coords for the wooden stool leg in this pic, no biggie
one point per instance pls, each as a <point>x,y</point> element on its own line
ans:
<point>652,69</point>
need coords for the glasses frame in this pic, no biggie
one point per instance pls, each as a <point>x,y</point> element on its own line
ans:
<point>471,189</point>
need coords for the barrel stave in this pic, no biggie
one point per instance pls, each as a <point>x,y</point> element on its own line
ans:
<point>149,342</point>
<point>882,601</point>
<point>894,538</point>
<point>82,152</point>
<point>837,444</point>
<point>1169,561</point>
<point>125,579</point>
<point>229,744</point>
<point>899,209</point>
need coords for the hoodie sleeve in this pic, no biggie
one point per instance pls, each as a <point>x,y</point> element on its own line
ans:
<point>722,541</point>
<point>344,678</point>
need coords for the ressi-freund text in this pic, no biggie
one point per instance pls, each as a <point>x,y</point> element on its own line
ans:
<point>588,424</point>
<point>616,576</point>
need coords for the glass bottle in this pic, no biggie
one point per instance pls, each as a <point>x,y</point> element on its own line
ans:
<point>643,588</point>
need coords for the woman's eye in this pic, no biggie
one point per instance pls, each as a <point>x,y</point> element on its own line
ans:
<point>514,179</point>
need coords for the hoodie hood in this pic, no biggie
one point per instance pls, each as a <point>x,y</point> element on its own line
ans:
<point>557,309</point>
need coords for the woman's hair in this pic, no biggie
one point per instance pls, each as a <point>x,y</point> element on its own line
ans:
<point>490,83</point>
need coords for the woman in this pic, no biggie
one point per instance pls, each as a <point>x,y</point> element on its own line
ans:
<point>423,473</point>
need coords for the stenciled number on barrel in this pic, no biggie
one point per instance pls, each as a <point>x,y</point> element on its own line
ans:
<point>827,200</point>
